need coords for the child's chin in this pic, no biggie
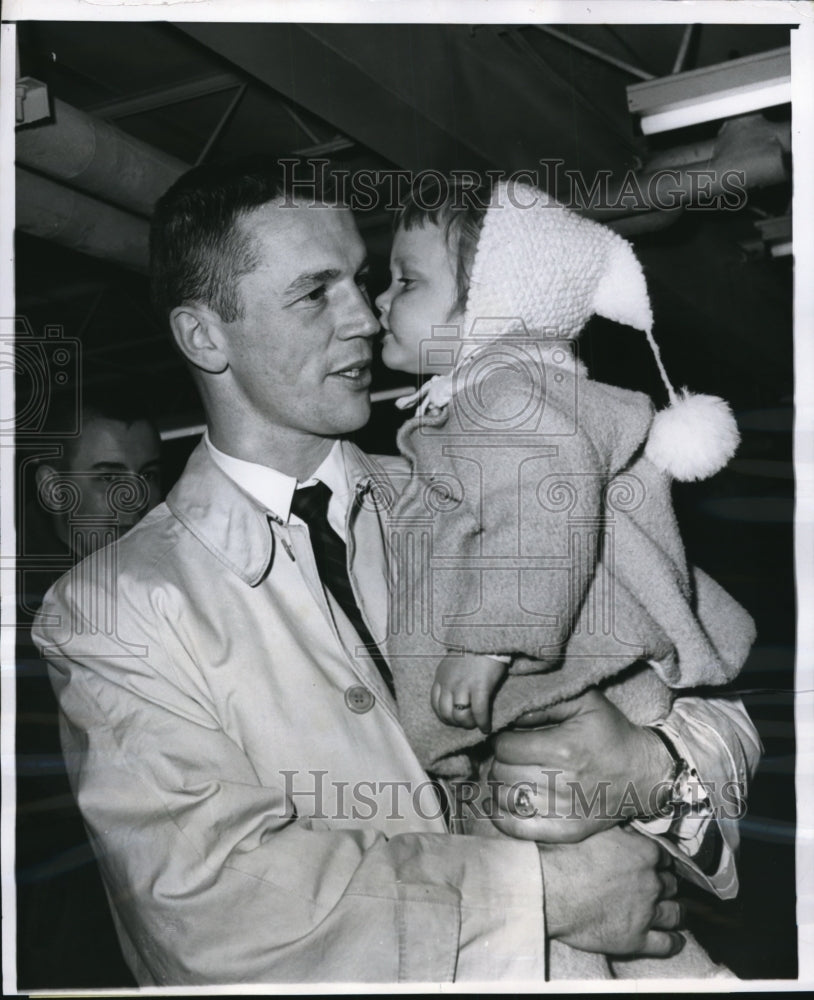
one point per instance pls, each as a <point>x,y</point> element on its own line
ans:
<point>392,359</point>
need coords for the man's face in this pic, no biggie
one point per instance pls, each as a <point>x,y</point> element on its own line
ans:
<point>101,465</point>
<point>299,357</point>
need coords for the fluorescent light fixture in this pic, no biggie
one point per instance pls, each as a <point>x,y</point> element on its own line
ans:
<point>702,95</point>
<point>776,235</point>
<point>781,249</point>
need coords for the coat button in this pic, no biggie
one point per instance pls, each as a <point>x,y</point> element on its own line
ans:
<point>359,699</point>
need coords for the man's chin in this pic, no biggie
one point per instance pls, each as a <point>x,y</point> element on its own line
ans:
<point>352,418</point>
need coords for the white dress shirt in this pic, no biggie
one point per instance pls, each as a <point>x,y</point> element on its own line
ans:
<point>274,490</point>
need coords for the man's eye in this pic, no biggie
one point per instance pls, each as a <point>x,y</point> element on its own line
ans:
<point>316,295</point>
<point>362,279</point>
<point>106,477</point>
<point>406,282</point>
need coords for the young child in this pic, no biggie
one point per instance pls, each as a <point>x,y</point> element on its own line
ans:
<point>535,550</point>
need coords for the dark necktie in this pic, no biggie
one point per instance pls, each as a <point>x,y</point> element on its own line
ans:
<point>310,504</point>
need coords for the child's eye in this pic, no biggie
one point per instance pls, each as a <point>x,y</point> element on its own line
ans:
<point>407,282</point>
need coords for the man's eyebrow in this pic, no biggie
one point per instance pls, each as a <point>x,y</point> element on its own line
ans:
<point>309,280</point>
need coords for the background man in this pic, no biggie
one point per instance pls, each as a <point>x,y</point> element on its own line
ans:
<point>106,478</point>
<point>113,465</point>
<point>235,748</point>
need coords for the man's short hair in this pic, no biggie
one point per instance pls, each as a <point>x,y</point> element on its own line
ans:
<point>198,250</point>
<point>118,402</point>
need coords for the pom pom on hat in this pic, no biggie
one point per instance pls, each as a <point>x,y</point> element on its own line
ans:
<point>693,438</point>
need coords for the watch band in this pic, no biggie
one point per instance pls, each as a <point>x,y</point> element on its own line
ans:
<point>679,776</point>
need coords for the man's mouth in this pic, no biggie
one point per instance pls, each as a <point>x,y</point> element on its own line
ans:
<point>356,374</point>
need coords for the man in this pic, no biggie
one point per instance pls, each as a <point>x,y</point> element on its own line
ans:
<point>109,474</point>
<point>101,480</point>
<point>235,747</point>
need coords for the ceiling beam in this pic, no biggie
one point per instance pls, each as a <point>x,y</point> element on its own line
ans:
<point>313,67</point>
<point>164,97</point>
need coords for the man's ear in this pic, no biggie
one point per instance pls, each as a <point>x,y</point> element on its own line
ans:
<point>198,334</point>
<point>42,474</point>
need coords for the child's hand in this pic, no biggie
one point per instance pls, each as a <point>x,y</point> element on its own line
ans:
<point>463,689</point>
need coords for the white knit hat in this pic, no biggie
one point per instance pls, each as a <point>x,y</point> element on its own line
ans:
<point>542,269</point>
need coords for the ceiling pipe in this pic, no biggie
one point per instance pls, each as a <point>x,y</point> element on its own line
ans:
<point>748,152</point>
<point>644,222</point>
<point>698,153</point>
<point>74,220</point>
<point>98,158</point>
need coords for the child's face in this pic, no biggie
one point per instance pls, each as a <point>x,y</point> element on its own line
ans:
<point>421,295</point>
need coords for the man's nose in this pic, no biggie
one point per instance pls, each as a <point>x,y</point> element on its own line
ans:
<point>361,321</point>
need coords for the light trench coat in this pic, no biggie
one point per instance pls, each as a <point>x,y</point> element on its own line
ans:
<point>258,813</point>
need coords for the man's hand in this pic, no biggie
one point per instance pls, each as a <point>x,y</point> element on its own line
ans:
<point>612,894</point>
<point>588,770</point>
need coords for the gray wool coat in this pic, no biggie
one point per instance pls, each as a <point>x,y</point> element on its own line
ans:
<point>533,525</point>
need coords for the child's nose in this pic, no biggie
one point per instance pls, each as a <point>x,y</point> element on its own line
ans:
<point>383,300</point>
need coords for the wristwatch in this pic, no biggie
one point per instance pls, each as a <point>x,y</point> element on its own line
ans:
<point>678,784</point>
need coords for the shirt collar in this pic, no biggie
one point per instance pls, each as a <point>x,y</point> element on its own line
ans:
<point>331,472</point>
<point>234,526</point>
<point>272,489</point>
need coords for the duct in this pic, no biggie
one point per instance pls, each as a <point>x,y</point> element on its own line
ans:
<point>54,212</point>
<point>748,152</point>
<point>96,157</point>
<point>644,222</point>
<point>698,153</point>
